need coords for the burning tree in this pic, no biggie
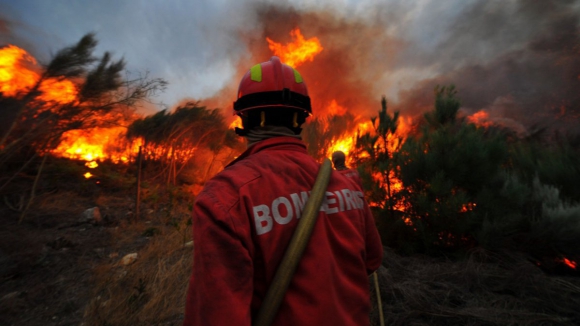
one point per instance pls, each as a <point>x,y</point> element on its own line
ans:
<point>174,139</point>
<point>322,134</point>
<point>74,91</point>
<point>376,153</point>
<point>70,93</point>
<point>448,172</point>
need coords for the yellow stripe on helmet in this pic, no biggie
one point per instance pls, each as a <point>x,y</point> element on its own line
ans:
<point>256,73</point>
<point>297,76</point>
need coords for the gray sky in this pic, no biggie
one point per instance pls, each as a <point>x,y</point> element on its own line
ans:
<point>499,53</point>
<point>195,45</point>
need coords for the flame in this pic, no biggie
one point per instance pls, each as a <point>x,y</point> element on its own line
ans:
<point>96,144</point>
<point>335,109</point>
<point>236,123</point>
<point>480,118</point>
<point>61,91</point>
<point>299,51</point>
<point>19,74</point>
<point>346,144</point>
<point>91,164</point>
<point>15,72</point>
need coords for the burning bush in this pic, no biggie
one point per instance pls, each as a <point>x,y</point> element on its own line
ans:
<point>173,140</point>
<point>453,186</point>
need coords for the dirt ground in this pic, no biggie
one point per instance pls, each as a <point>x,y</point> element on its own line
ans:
<point>47,262</point>
<point>57,270</point>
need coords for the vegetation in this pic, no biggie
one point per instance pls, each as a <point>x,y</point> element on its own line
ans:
<point>465,186</point>
<point>171,140</point>
<point>99,93</point>
<point>91,93</point>
<point>467,213</point>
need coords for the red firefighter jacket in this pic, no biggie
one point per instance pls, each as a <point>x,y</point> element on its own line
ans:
<point>242,223</point>
<point>353,175</point>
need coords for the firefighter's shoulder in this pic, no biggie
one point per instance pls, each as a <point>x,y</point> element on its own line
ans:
<point>225,185</point>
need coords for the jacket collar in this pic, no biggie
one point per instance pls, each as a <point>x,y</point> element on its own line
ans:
<point>275,143</point>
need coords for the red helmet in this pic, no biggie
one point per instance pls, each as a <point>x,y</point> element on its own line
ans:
<point>272,84</point>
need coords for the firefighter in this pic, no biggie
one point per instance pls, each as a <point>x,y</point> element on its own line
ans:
<point>338,161</point>
<point>245,216</point>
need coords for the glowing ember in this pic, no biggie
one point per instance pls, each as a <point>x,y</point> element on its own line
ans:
<point>87,175</point>
<point>570,263</point>
<point>468,207</point>
<point>91,164</point>
<point>297,52</point>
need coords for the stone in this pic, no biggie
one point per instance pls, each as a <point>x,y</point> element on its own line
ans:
<point>91,215</point>
<point>129,259</point>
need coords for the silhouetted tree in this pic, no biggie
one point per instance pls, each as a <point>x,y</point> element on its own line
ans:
<point>102,94</point>
<point>173,139</point>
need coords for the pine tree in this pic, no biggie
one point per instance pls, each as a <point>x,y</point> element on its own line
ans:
<point>376,154</point>
<point>446,171</point>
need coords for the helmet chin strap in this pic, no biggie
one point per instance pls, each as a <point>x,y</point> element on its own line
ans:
<point>262,118</point>
<point>248,123</point>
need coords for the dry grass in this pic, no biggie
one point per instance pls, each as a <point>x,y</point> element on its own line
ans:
<point>150,291</point>
<point>486,289</point>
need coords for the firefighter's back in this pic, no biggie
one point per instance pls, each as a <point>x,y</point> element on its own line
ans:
<point>330,286</point>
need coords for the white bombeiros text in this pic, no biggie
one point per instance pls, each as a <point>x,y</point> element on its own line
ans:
<point>284,208</point>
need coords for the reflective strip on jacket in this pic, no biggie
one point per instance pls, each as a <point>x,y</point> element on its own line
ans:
<point>242,223</point>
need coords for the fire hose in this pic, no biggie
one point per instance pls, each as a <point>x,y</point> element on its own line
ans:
<point>295,249</point>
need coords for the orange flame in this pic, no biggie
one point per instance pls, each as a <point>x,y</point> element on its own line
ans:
<point>61,91</point>
<point>18,74</point>
<point>236,123</point>
<point>87,175</point>
<point>299,51</point>
<point>480,118</point>
<point>91,164</point>
<point>96,144</point>
<point>347,145</point>
<point>15,72</point>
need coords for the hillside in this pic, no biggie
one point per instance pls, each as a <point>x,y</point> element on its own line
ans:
<point>58,269</point>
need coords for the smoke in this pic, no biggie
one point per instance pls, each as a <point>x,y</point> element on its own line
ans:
<point>517,60</point>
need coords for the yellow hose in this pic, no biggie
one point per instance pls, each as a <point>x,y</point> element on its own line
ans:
<point>295,249</point>
<point>379,301</point>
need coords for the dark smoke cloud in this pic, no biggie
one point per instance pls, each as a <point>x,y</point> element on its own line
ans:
<point>356,54</point>
<point>518,60</point>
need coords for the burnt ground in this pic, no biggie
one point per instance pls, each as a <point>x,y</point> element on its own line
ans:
<point>55,264</point>
<point>54,269</point>
<point>46,268</point>
<point>47,261</point>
